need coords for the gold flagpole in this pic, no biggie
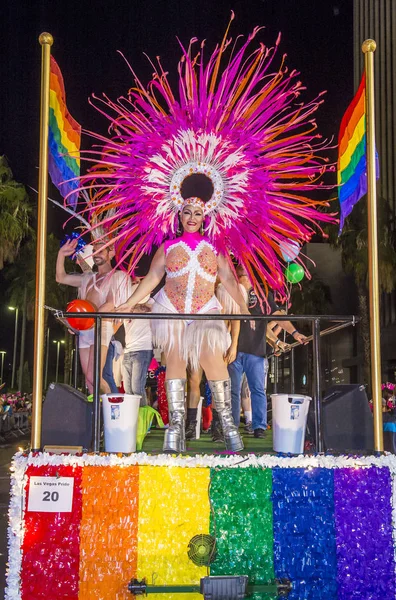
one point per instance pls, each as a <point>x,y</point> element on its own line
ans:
<point>368,48</point>
<point>46,41</point>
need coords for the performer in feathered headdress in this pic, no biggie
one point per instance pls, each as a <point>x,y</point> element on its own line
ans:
<point>234,152</point>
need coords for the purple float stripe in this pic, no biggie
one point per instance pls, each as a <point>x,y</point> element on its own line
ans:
<point>363,514</point>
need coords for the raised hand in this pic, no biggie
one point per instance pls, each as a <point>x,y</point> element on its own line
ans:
<point>68,248</point>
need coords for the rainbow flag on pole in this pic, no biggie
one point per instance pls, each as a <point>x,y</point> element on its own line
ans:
<point>64,140</point>
<point>352,164</point>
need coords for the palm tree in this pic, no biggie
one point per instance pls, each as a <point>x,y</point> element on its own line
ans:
<point>353,242</point>
<point>15,209</point>
<point>22,281</point>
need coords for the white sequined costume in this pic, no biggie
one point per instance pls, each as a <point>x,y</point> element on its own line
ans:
<point>191,271</point>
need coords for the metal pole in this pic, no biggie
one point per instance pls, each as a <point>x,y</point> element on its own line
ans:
<point>71,362</point>
<point>292,372</point>
<point>75,363</point>
<point>15,348</point>
<point>46,41</point>
<point>2,366</point>
<point>23,337</point>
<point>275,375</point>
<point>96,382</point>
<point>368,49</point>
<point>57,361</point>
<point>317,386</point>
<point>46,360</point>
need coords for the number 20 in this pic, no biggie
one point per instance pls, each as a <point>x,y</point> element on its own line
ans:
<point>51,496</point>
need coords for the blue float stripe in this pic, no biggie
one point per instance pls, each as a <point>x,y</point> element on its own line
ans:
<point>304,532</point>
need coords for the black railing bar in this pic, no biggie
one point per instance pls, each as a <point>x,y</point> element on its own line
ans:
<point>209,317</point>
<point>317,386</point>
<point>327,331</point>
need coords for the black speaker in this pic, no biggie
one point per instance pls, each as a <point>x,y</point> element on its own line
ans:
<point>347,419</point>
<point>67,417</point>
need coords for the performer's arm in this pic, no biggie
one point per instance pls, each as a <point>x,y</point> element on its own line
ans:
<point>227,278</point>
<point>289,327</point>
<point>149,283</point>
<point>61,276</point>
<point>232,351</point>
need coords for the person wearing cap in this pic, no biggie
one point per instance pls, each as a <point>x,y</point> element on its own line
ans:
<point>104,288</point>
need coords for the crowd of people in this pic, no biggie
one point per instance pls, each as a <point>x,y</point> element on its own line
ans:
<point>199,280</point>
<point>15,415</point>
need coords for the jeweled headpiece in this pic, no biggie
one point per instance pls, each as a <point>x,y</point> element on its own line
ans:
<point>194,201</point>
<point>240,128</point>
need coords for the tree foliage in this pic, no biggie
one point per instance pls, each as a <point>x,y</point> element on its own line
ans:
<point>353,242</point>
<point>15,210</point>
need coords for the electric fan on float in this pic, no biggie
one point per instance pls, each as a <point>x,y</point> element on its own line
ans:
<point>202,552</point>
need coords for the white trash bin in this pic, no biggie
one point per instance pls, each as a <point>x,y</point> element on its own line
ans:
<point>120,418</point>
<point>289,419</point>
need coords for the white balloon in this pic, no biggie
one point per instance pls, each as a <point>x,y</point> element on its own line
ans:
<point>290,250</point>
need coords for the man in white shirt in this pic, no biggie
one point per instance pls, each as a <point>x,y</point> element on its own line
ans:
<point>105,289</point>
<point>138,351</point>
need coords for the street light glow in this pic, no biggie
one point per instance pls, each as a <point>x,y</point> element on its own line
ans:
<point>11,308</point>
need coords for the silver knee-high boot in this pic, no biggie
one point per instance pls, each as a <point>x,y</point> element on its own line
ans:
<point>174,440</point>
<point>221,395</point>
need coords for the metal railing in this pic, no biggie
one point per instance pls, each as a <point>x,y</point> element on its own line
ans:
<point>315,320</point>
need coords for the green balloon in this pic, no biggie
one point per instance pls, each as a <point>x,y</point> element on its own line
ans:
<point>294,273</point>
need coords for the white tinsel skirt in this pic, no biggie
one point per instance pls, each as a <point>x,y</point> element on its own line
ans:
<point>189,336</point>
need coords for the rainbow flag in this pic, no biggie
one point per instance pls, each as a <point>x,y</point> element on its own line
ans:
<point>64,140</point>
<point>352,164</point>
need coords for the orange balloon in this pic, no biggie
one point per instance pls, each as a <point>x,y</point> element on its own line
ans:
<point>81,306</point>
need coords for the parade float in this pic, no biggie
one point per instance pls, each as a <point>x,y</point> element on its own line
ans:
<point>226,526</point>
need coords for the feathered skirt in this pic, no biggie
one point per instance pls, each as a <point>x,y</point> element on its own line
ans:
<point>189,336</point>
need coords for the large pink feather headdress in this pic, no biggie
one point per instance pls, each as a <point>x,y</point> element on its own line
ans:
<point>239,129</point>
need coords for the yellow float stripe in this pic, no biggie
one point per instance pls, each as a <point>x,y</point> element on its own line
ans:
<point>173,507</point>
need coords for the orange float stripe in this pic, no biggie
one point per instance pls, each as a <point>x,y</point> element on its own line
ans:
<point>108,532</point>
<point>71,126</point>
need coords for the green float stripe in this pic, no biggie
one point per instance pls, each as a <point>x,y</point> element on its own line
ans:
<point>241,520</point>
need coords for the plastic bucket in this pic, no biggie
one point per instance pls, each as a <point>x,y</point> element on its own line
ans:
<point>120,418</point>
<point>289,419</point>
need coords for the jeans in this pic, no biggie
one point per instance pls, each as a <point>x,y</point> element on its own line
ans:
<point>256,369</point>
<point>107,372</point>
<point>134,371</point>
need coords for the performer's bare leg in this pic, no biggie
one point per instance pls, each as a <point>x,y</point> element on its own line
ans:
<point>220,385</point>
<point>213,364</point>
<point>193,387</point>
<point>104,386</point>
<point>84,360</point>
<point>193,397</point>
<point>176,366</point>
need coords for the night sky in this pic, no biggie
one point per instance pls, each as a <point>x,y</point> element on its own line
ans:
<point>317,37</point>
